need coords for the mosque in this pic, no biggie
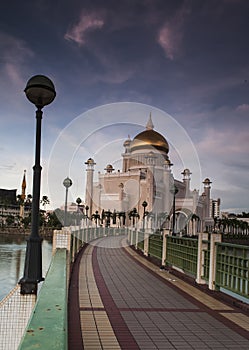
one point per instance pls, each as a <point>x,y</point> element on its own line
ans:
<point>146,190</point>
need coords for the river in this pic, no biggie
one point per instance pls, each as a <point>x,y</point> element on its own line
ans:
<point>12,257</point>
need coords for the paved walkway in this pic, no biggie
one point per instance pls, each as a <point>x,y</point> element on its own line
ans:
<point>119,300</point>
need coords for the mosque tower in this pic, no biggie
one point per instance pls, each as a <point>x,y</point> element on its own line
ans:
<point>23,195</point>
<point>89,184</point>
<point>207,212</point>
<point>186,180</point>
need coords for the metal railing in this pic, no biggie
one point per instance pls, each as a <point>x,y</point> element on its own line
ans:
<point>226,264</point>
<point>182,253</point>
<point>232,268</point>
<point>226,268</point>
<point>156,245</point>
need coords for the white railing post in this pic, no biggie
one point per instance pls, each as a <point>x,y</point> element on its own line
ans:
<point>131,235</point>
<point>136,244</point>
<point>146,241</point>
<point>164,247</point>
<point>215,237</point>
<point>61,239</point>
<point>200,256</point>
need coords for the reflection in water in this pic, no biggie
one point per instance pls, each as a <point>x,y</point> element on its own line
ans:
<point>12,257</point>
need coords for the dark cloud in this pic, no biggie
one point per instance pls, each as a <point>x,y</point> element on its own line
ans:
<point>189,58</point>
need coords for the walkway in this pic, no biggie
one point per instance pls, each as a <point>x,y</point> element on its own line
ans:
<point>119,300</point>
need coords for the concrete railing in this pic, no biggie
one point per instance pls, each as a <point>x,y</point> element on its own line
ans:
<point>47,328</point>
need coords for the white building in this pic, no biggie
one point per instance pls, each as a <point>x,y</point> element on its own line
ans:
<point>146,177</point>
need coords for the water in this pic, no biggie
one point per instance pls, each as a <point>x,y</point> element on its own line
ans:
<point>12,257</point>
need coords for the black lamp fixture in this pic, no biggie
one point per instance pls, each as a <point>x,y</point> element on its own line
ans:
<point>40,91</point>
<point>144,204</point>
<point>67,183</point>
<point>78,201</point>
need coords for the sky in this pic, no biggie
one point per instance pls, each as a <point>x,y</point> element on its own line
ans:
<point>113,63</point>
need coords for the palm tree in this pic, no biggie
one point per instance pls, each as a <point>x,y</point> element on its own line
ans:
<point>108,216</point>
<point>96,217</point>
<point>133,214</point>
<point>121,216</point>
<point>44,201</point>
<point>244,227</point>
<point>19,199</point>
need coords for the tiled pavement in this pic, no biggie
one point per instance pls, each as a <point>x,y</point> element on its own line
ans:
<point>119,300</point>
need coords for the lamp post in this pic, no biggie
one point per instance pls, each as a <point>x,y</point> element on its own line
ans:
<point>144,204</point>
<point>174,191</point>
<point>78,201</point>
<point>67,183</point>
<point>40,91</point>
<point>87,208</point>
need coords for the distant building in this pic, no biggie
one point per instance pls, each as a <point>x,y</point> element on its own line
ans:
<point>146,177</point>
<point>71,207</point>
<point>7,197</point>
<point>10,207</point>
<point>215,208</point>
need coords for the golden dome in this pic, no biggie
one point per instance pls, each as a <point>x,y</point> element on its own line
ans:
<point>109,168</point>
<point>150,139</point>
<point>90,161</point>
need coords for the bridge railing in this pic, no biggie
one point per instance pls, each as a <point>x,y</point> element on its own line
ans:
<point>47,326</point>
<point>220,265</point>
<point>183,254</point>
<point>205,258</point>
<point>232,268</point>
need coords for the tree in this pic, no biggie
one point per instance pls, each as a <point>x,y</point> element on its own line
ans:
<point>20,199</point>
<point>26,221</point>
<point>10,220</point>
<point>28,201</point>
<point>44,201</point>
<point>96,217</point>
<point>53,221</point>
<point>133,214</point>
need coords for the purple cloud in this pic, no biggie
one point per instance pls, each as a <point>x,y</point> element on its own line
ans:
<point>87,22</point>
<point>171,34</point>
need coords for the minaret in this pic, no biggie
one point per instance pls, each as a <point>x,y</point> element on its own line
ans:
<point>89,184</point>
<point>186,180</point>
<point>23,195</point>
<point>126,155</point>
<point>207,217</point>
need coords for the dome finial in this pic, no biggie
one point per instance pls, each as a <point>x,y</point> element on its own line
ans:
<point>150,125</point>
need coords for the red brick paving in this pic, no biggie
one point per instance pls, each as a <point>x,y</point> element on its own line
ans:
<point>120,328</point>
<point>74,330</point>
<point>119,316</point>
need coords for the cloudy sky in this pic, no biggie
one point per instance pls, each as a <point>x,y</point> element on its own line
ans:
<point>189,59</point>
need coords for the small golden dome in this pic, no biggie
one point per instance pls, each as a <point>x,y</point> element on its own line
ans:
<point>109,168</point>
<point>127,142</point>
<point>90,161</point>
